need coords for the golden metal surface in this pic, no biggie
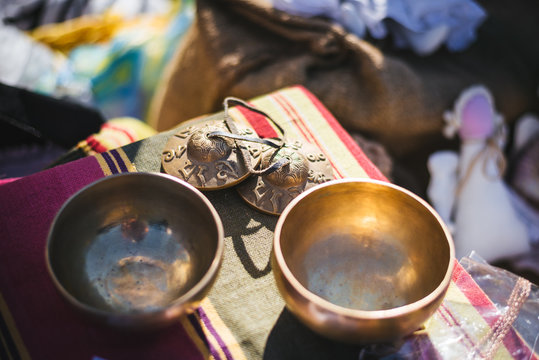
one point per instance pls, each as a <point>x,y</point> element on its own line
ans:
<point>270,193</point>
<point>135,250</point>
<point>208,163</point>
<point>361,260</point>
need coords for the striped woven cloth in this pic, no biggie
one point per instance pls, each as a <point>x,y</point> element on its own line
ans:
<point>243,317</point>
<point>115,133</point>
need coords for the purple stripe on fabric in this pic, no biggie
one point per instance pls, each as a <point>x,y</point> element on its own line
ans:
<point>426,348</point>
<point>110,163</point>
<point>119,160</point>
<point>209,326</point>
<point>194,321</point>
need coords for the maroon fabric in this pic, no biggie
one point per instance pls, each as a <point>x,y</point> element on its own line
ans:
<point>7,180</point>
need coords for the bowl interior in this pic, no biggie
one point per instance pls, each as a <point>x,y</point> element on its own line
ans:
<point>365,245</point>
<point>134,242</point>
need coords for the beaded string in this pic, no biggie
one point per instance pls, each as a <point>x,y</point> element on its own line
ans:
<point>494,338</point>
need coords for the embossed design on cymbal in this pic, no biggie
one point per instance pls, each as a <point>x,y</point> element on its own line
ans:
<point>306,167</point>
<point>206,161</point>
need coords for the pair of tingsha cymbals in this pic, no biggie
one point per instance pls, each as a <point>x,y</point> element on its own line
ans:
<point>210,156</point>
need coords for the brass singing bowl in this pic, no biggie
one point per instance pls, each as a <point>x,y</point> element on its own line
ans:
<point>362,261</point>
<point>135,250</point>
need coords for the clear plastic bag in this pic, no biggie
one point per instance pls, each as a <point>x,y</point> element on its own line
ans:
<point>488,313</point>
<point>498,284</point>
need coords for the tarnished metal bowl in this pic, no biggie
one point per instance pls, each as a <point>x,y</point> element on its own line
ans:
<point>362,261</point>
<point>135,250</point>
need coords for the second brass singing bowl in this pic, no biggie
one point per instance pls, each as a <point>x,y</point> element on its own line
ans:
<point>135,250</point>
<point>362,261</point>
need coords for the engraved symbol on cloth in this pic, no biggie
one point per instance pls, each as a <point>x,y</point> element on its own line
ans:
<point>245,131</point>
<point>296,145</point>
<point>317,177</point>
<point>274,196</point>
<point>185,133</point>
<point>316,157</point>
<point>254,151</point>
<point>264,193</point>
<point>189,169</point>
<point>170,155</point>
<point>225,170</point>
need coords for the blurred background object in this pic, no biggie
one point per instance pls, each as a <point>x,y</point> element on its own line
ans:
<point>107,54</point>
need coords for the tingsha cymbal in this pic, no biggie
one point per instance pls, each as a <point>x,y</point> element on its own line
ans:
<point>306,167</point>
<point>208,161</point>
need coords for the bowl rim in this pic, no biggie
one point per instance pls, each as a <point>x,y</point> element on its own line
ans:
<point>356,313</point>
<point>206,279</point>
